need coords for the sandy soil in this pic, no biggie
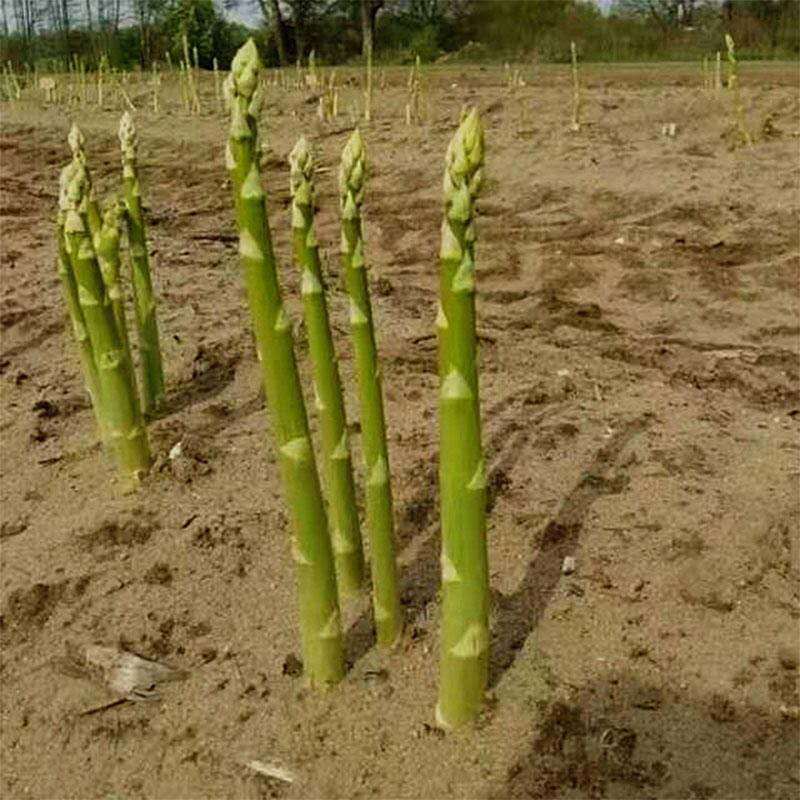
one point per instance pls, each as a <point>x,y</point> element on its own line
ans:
<point>639,330</point>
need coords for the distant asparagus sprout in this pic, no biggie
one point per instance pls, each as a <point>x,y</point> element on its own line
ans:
<point>733,85</point>
<point>9,85</point>
<point>190,77</point>
<point>217,87</point>
<point>14,87</point>
<point>368,86</point>
<point>576,90</point>
<point>414,88</point>
<point>706,76</point>
<point>152,371</point>
<point>155,85</point>
<point>462,475</point>
<point>345,531</point>
<point>123,423</point>
<point>380,518</point>
<point>718,72</point>
<point>184,87</point>
<point>100,69</point>
<point>323,655</point>
<point>312,79</point>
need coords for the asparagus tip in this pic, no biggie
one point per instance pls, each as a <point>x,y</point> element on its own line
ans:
<point>353,169</point>
<point>75,140</point>
<point>244,69</point>
<point>127,130</point>
<point>300,159</point>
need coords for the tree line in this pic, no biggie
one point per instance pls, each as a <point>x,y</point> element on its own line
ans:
<point>141,32</point>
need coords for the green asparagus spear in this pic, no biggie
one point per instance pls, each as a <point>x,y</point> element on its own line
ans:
<point>152,371</point>
<point>124,425</point>
<point>386,600</point>
<point>108,256</point>
<point>84,345</point>
<point>323,655</point>
<point>76,142</point>
<point>462,478</point>
<point>345,532</point>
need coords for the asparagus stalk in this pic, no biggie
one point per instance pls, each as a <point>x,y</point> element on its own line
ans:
<point>733,84</point>
<point>320,625</point>
<point>386,600</point>
<point>76,142</point>
<point>465,582</point>
<point>120,408</point>
<point>345,532</point>
<point>108,257</point>
<point>576,89</point>
<point>152,371</point>
<point>70,291</point>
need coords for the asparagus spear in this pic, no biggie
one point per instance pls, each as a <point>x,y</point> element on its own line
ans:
<point>70,291</point>
<point>120,408</point>
<point>76,142</point>
<point>152,371</point>
<point>465,582</point>
<point>386,600</point>
<point>107,247</point>
<point>320,625</point>
<point>345,532</point>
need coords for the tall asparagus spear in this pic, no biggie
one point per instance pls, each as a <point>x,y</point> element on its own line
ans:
<point>120,407</point>
<point>311,547</point>
<point>345,532</point>
<point>465,581</point>
<point>70,291</point>
<point>152,371</point>
<point>386,600</point>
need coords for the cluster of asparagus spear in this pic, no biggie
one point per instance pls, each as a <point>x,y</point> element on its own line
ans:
<point>89,268</point>
<point>326,542</point>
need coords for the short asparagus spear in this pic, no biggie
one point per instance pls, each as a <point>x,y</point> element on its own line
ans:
<point>76,142</point>
<point>152,371</point>
<point>125,429</point>
<point>108,257</point>
<point>462,478</point>
<point>386,600</point>
<point>323,655</point>
<point>345,532</point>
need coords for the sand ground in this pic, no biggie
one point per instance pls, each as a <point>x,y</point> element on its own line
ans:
<point>638,318</point>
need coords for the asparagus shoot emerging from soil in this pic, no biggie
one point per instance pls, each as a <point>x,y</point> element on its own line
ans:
<point>386,600</point>
<point>345,532</point>
<point>733,85</point>
<point>323,655</point>
<point>576,89</point>
<point>124,427</point>
<point>152,371</point>
<point>462,476</point>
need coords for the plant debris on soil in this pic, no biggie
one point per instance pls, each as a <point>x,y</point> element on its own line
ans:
<point>638,314</point>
